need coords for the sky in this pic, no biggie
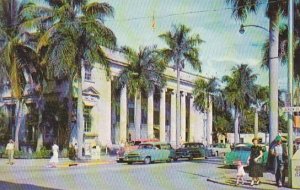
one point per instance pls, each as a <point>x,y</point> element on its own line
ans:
<point>224,46</point>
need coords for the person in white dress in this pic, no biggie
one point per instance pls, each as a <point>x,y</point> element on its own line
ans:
<point>54,159</point>
<point>240,172</point>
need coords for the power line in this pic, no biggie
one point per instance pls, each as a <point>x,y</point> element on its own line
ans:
<point>189,12</point>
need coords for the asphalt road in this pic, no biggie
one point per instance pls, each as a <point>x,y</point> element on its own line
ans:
<point>118,176</point>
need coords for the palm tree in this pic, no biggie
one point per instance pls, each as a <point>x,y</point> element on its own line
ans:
<point>205,92</point>
<point>239,92</point>
<point>18,59</point>
<point>182,47</point>
<point>75,36</point>
<point>241,8</point>
<point>144,72</point>
<point>261,99</point>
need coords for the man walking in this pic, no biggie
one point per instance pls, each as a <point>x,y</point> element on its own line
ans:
<point>279,152</point>
<point>10,147</point>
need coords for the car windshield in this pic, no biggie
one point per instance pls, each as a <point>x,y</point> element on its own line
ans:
<point>191,145</point>
<point>136,143</point>
<point>145,146</point>
<point>242,148</point>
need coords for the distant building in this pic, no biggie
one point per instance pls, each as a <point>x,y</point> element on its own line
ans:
<point>109,114</point>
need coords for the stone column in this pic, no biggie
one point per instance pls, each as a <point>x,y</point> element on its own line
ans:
<point>138,115</point>
<point>123,115</point>
<point>150,115</point>
<point>162,116</point>
<point>209,120</point>
<point>183,116</point>
<point>193,121</point>
<point>173,119</point>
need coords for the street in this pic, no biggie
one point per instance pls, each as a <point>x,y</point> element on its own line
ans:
<point>176,175</point>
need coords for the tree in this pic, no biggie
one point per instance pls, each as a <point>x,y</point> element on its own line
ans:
<point>182,47</point>
<point>144,72</point>
<point>239,92</point>
<point>206,90</point>
<point>241,8</point>
<point>18,59</point>
<point>75,36</point>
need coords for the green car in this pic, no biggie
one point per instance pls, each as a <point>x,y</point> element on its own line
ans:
<point>242,152</point>
<point>151,152</point>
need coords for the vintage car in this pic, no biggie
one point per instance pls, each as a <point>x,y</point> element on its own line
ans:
<point>242,152</point>
<point>132,145</point>
<point>220,149</point>
<point>192,150</point>
<point>151,152</point>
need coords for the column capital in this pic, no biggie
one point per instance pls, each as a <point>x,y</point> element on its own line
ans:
<point>182,93</point>
<point>163,90</point>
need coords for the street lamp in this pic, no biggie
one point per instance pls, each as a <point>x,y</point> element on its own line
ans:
<point>242,28</point>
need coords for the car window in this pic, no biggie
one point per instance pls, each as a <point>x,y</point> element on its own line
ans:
<point>137,143</point>
<point>166,146</point>
<point>242,148</point>
<point>157,146</point>
<point>145,146</point>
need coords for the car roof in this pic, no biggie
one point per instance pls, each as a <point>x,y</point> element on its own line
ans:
<point>146,140</point>
<point>155,143</point>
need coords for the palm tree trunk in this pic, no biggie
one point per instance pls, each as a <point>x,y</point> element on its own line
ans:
<point>236,127</point>
<point>18,122</point>
<point>273,75</point>
<point>70,111</point>
<point>80,123</point>
<point>256,124</point>
<point>40,132</point>
<point>137,115</point>
<point>178,108</point>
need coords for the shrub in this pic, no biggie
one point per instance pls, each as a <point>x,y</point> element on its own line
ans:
<point>43,153</point>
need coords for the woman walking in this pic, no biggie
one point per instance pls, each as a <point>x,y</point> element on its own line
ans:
<point>255,165</point>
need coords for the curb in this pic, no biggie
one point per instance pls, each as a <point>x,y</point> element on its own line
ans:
<point>74,164</point>
<point>241,186</point>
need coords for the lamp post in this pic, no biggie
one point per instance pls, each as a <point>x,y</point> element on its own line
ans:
<point>290,85</point>
<point>242,28</point>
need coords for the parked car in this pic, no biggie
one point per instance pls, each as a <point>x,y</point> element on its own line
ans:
<point>242,152</point>
<point>151,152</point>
<point>220,149</point>
<point>132,145</point>
<point>192,150</point>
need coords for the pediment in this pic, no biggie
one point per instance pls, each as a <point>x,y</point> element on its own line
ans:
<point>90,91</point>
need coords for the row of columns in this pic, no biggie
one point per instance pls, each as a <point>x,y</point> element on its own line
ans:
<point>194,117</point>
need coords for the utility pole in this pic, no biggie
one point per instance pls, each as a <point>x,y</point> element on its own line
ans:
<point>290,85</point>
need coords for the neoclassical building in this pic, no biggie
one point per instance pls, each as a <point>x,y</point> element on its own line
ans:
<point>110,116</point>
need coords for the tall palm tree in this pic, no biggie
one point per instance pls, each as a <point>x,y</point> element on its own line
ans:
<point>205,92</point>
<point>18,58</point>
<point>144,72</point>
<point>241,8</point>
<point>239,92</point>
<point>75,35</point>
<point>182,47</point>
<point>261,99</point>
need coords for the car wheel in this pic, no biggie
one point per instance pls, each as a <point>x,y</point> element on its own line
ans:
<point>129,163</point>
<point>175,159</point>
<point>191,158</point>
<point>147,160</point>
<point>169,160</point>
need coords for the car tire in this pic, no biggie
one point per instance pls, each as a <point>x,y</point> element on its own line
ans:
<point>147,160</point>
<point>169,160</point>
<point>129,163</point>
<point>191,158</point>
<point>175,159</point>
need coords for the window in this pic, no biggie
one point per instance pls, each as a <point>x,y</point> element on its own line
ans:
<point>87,118</point>
<point>88,73</point>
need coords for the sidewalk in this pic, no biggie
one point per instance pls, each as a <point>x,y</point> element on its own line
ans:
<point>63,162</point>
<point>267,182</point>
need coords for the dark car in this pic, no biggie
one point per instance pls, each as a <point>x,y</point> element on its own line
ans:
<point>190,151</point>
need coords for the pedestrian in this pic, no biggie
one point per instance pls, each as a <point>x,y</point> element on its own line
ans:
<point>255,162</point>
<point>76,151</point>
<point>10,148</point>
<point>279,151</point>
<point>240,172</point>
<point>54,159</point>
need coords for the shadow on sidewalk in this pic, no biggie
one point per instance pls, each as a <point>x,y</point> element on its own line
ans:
<point>16,186</point>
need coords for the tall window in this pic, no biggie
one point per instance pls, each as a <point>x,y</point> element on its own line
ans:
<point>87,118</point>
<point>88,72</point>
